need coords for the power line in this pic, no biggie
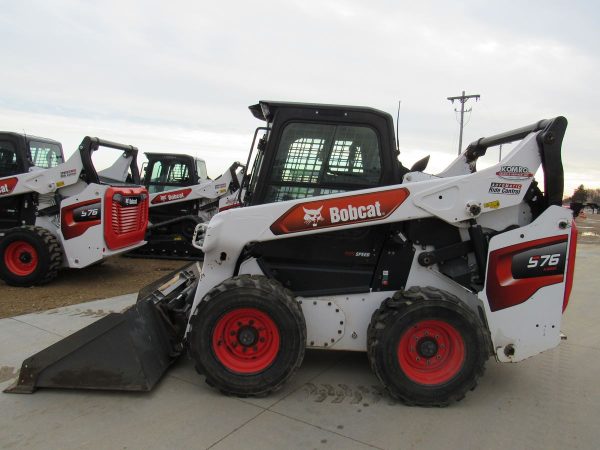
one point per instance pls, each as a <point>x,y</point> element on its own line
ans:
<point>463,99</point>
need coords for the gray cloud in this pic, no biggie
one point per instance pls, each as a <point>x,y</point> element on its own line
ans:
<point>179,76</point>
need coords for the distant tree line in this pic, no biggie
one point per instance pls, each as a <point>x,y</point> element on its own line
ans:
<point>583,195</point>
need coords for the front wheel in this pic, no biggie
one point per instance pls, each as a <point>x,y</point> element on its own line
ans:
<point>248,336</point>
<point>427,347</point>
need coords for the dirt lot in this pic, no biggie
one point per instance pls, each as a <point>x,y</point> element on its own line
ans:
<point>120,275</point>
<point>116,276</point>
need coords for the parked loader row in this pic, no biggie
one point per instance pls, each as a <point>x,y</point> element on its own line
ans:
<point>56,213</point>
<point>338,246</point>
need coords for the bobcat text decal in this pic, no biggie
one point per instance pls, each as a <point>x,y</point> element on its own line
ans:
<point>170,196</point>
<point>340,211</point>
<point>7,185</point>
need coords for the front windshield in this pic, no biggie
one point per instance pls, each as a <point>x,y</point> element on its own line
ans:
<point>169,174</point>
<point>45,154</point>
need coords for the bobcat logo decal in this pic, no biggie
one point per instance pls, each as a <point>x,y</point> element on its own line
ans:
<point>339,211</point>
<point>313,216</point>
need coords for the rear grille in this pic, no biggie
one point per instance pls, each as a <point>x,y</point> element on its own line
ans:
<point>125,216</point>
<point>126,219</point>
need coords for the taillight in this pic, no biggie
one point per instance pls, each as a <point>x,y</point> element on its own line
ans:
<point>570,265</point>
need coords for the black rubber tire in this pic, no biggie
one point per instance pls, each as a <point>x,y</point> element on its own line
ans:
<point>396,316</point>
<point>48,251</point>
<point>270,298</point>
<point>186,228</point>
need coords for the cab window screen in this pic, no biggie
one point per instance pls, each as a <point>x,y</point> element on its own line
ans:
<point>318,159</point>
<point>168,175</point>
<point>45,154</point>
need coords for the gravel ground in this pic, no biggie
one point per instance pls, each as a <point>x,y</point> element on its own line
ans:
<point>116,276</point>
<point>120,275</point>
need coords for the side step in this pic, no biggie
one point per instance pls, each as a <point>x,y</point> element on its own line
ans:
<point>127,351</point>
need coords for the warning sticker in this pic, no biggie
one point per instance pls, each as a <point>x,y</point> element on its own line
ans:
<point>493,205</point>
<point>68,173</point>
<point>505,188</point>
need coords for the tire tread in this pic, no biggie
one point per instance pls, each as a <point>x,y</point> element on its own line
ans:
<point>394,307</point>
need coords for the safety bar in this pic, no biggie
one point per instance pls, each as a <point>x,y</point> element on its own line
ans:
<point>549,142</point>
<point>478,148</point>
<point>91,144</point>
<point>235,184</point>
<point>104,143</point>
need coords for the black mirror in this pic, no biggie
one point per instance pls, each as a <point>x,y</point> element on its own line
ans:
<point>420,165</point>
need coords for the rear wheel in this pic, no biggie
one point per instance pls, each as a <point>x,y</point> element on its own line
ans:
<point>248,336</point>
<point>29,256</point>
<point>427,347</point>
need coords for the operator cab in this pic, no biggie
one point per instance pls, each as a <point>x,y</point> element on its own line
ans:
<point>309,150</point>
<point>166,171</point>
<point>19,153</point>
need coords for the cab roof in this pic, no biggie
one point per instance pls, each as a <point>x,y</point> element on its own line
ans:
<point>30,137</point>
<point>266,109</point>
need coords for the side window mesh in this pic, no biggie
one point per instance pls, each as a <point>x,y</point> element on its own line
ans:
<point>318,159</point>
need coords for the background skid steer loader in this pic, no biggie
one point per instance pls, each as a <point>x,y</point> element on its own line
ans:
<point>430,277</point>
<point>65,214</point>
<point>181,197</point>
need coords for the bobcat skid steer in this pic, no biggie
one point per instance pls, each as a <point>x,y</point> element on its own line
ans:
<point>57,214</point>
<point>429,277</point>
<point>181,197</point>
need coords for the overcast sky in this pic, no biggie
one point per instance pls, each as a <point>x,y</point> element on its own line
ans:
<point>178,76</point>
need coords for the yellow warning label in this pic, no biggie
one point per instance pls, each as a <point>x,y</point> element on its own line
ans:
<point>60,183</point>
<point>494,205</point>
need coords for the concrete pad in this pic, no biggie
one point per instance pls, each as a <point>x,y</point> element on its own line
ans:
<point>582,316</point>
<point>315,363</point>
<point>17,341</point>
<point>270,430</point>
<point>534,404</point>
<point>68,319</point>
<point>176,415</point>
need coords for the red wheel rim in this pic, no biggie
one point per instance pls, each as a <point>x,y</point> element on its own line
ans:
<point>431,352</point>
<point>245,340</point>
<point>20,258</point>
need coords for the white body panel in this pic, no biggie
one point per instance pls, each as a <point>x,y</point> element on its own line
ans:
<point>47,180</point>
<point>534,325</point>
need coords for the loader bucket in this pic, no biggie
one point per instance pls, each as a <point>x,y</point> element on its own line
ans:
<point>128,351</point>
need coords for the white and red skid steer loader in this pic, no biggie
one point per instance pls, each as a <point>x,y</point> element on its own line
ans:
<point>56,214</point>
<point>430,277</point>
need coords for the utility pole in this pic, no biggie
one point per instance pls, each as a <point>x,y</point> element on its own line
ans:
<point>462,99</point>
